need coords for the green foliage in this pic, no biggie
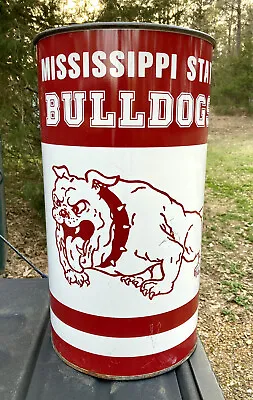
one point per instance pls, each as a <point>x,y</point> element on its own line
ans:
<point>235,288</point>
<point>232,67</point>
<point>33,192</point>
<point>163,11</point>
<point>232,71</point>
<point>20,21</point>
<point>233,85</point>
<point>226,312</point>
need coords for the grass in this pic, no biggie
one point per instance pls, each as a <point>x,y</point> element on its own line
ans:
<point>228,226</point>
<point>228,313</point>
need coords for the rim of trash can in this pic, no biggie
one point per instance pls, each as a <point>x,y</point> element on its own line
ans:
<point>124,25</point>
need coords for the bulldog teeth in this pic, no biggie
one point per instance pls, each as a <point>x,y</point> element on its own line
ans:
<point>77,229</point>
<point>120,208</point>
<point>123,249</point>
<point>80,251</point>
<point>113,263</point>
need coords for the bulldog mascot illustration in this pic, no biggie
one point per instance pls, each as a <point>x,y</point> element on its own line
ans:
<point>126,229</point>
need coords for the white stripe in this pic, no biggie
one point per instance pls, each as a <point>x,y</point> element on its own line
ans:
<point>124,347</point>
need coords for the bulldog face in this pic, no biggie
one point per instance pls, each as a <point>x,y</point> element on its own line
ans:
<point>84,216</point>
<point>74,200</point>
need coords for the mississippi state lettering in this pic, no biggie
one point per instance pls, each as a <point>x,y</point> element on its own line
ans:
<point>162,110</point>
<point>99,64</point>
<point>117,64</point>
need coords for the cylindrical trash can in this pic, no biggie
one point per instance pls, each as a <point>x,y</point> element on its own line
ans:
<point>124,115</point>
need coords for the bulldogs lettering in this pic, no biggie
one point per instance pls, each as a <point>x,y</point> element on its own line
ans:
<point>126,229</point>
<point>163,109</point>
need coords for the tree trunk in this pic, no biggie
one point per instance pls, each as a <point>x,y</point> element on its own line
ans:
<point>239,27</point>
<point>230,24</point>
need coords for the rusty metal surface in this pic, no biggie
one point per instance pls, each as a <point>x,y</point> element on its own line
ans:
<point>122,378</point>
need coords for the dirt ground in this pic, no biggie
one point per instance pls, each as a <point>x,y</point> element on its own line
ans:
<point>225,326</point>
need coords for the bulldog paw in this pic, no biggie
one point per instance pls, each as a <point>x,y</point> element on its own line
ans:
<point>152,288</point>
<point>126,279</point>
<point>135,280</point>
<point>79,279</point>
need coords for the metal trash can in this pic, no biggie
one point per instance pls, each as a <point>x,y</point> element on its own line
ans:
<point>3,250</point>
<point>124,117</point>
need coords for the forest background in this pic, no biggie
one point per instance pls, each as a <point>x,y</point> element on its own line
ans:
<point>230,22</point>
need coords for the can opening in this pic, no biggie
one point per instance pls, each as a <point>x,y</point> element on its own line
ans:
<point>124,25</point>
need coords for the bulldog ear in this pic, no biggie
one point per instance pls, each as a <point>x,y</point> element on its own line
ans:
<point>61,172</point>
<point>93,176</point>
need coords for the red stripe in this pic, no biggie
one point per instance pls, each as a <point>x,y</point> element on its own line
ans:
<point>124,327</point>
<point>98,137</point>
<point>123,366</point>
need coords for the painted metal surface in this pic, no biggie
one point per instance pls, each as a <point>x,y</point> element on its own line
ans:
<point>124,121</point>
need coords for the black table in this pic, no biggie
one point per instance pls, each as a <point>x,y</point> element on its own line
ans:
<point>30,369</point>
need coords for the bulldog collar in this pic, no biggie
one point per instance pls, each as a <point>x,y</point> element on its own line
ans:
<point>121,223</point>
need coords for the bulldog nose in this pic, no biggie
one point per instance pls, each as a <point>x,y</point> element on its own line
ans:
<point>64,213</point>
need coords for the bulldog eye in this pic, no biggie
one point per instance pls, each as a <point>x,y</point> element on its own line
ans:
<point>79,207</point>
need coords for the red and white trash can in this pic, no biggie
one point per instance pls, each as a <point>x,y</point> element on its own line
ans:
<point>124,113</point>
